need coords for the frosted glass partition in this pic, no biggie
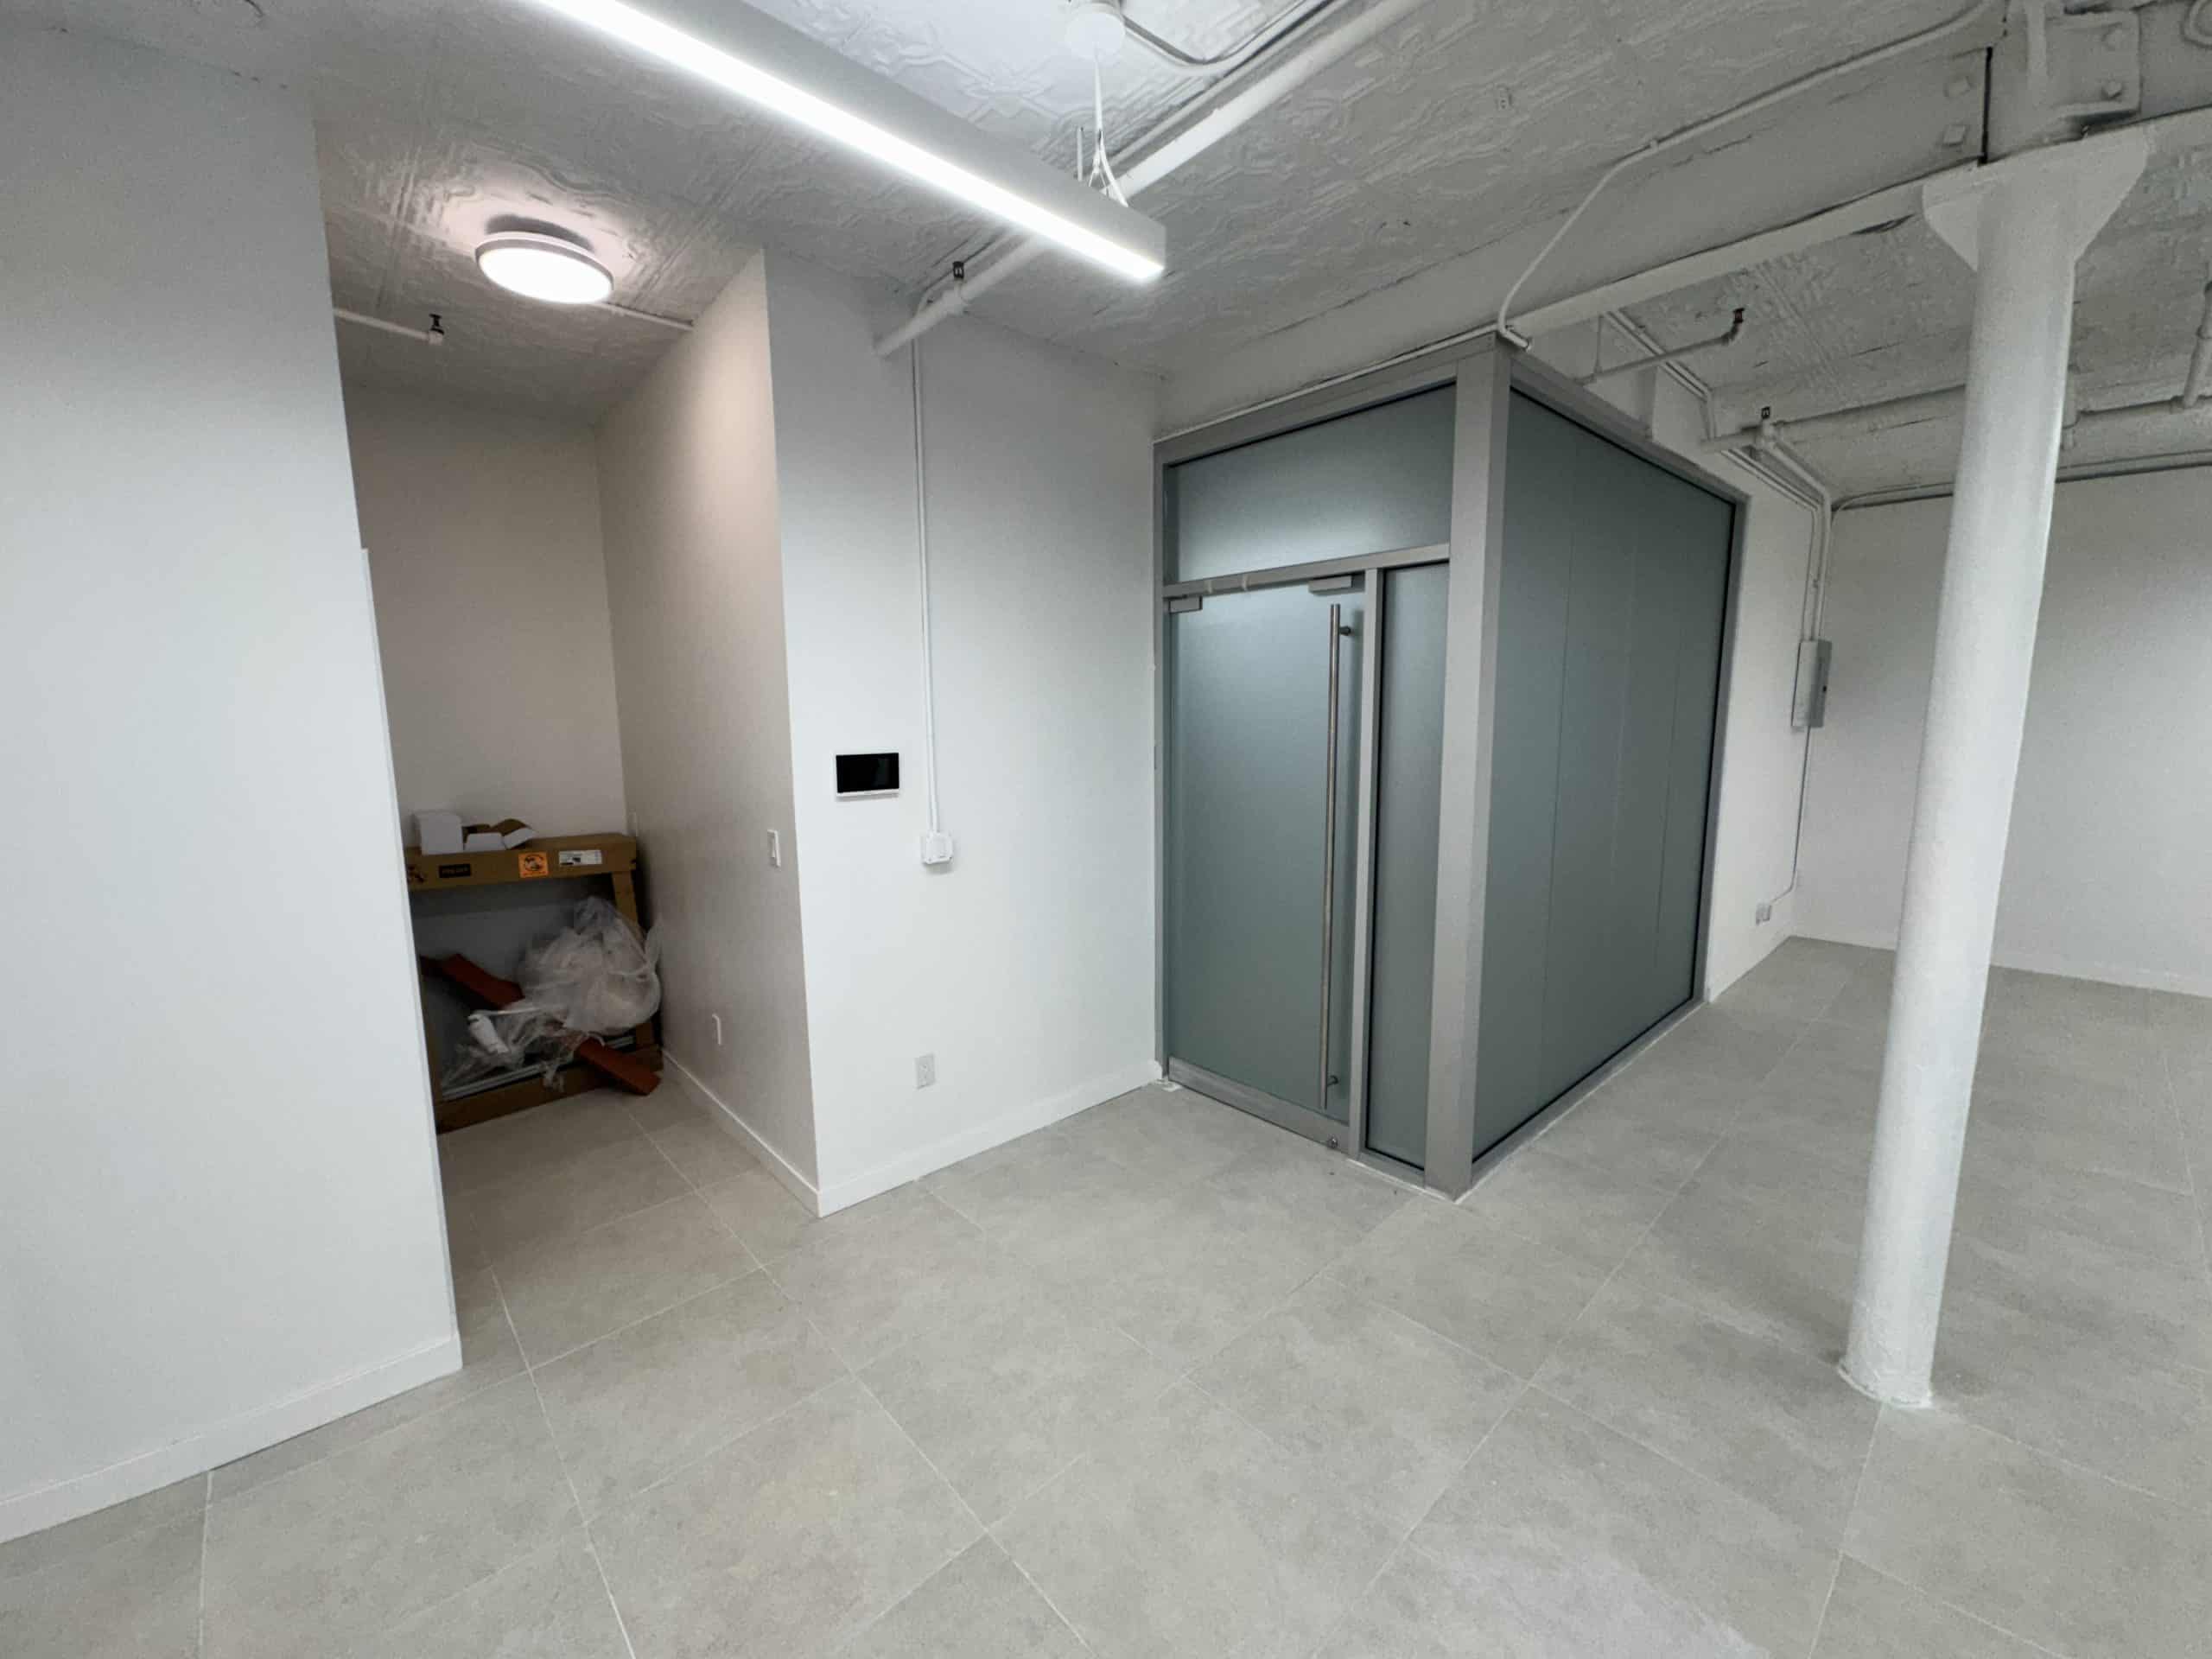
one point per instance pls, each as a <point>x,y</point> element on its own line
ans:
<point>1369,482</point>
<point>1609,621</point>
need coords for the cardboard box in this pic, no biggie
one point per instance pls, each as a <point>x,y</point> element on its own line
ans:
<point>505,834</point>
<point>438,831</point>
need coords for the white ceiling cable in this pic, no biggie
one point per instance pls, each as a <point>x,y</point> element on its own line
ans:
<point>1100,174</point>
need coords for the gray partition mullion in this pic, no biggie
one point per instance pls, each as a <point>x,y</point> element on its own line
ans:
<point>1485,389</point>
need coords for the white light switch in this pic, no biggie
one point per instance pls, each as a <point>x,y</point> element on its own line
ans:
<point>776,847</point>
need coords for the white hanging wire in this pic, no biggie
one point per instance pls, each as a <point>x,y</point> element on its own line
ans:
<point>1102,169</point>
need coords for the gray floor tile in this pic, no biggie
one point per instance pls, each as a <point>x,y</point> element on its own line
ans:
<point>873,1280</point>
<point>1329,1201</point>
<point>550,1604</point>
<point>1863,1004</point>
<point>1792,1174</point>
<point>2054,1553</point>
<point>2006,1202</point>
<point>2092,1051</point>
<point>524,1210</point>
<point>785,1542</point>
<point>488,1355</point>
<point>2160,1310</point>
<point>1572,1534</point>
<point>1766,1421</point>
<point>1003,1397</point>
<point>2077,1395</point>
<point>1871,1616</point>
<point>761,1210</point>
<point>1579,1210</point>
<point>137,1597</point>
<point>1743,1263</point>
<point>976,1607</point>
<point>1739,1047</point>
<point>1194,1271</point>
<point>1190,1534</point>
<point>1046,1196</point>
<point>182,1501</point>
<point>369,1535</point>
<point>1508,1298</point>
<point>536,1142</point>
<point>2052,1000</point>
<point>2073,1123</point>
<point>1530,1602</point>
<point>1369,1401</point>
<point>705,1152</point>
<point>637,1406</point>
<point>1656,1132</point>
<point>1172,1136</point>
<point>674,1103</point>
<point>566,1292</point>
<point>1799,977</point>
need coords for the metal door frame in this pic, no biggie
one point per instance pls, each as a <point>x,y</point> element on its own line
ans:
<point>1486,373</point>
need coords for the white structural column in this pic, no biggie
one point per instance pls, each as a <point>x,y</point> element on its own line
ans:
<point>2021,223</point>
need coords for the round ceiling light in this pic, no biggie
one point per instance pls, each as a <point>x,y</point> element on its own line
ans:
<point>541,267</point>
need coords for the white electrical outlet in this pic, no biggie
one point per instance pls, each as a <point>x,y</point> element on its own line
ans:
<point>924,1071</point>
<point>1764,912</point>
<point>717,1018</point>
<point>776,847</point>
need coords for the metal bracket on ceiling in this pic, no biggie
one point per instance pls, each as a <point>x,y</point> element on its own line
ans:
<point>2055,72</point>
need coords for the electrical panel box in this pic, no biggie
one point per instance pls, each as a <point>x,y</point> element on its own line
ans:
<point>1808,704</point>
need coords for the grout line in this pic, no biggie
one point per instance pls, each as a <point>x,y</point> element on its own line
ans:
<point>591,1548</point>
<point>206,1518</point>
<point>1843,1538</point>
<point>1406,1538</point>
<point>534,1366</point>
<point>1950,1606</point>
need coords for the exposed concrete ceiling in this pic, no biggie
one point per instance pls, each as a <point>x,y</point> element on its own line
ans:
<point>1887,314</point>
<point>435,118</point>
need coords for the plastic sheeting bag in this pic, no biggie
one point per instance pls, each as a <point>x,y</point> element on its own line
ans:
<point>597,976</point>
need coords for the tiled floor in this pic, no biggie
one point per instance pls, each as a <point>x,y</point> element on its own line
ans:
<point>1164,1381</point>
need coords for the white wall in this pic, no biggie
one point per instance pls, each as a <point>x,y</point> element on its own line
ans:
<point>483,535</point>
<point>689,496</point>
<point>219,1223</point>
<point>2107,875</point>
<point>1027,966</point>
<point>1762,760</point>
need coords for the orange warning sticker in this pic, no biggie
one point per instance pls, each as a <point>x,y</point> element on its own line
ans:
<point>529,864</point>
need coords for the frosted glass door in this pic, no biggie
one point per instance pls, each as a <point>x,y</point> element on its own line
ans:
<point>1259,868</point>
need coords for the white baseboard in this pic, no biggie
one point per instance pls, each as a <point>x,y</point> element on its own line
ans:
<point>2142,979</point>
<point>937,1155</point>
<point>942,1155</point>
<point>226,1441</point>
<point>779,1166</point>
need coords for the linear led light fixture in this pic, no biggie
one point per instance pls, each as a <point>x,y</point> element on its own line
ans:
<point>767,63</point>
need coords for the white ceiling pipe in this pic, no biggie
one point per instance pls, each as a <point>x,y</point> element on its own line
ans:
<point>432,336</point>
<point>1892,411</point>
<point>1964,28</point>
<point>2200,360</point>
<point>1949,401</point>
<point>1728,336</point>
<point>1312,46</point>
<point>1189,63</point>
